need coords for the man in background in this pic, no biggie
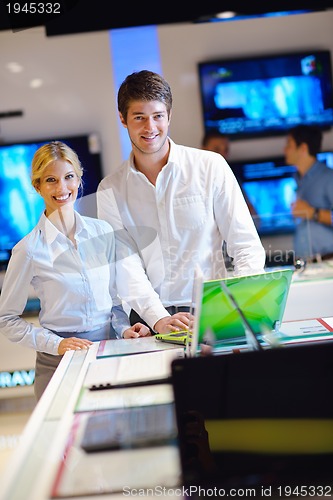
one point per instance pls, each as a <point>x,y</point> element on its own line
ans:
<point>217,142</point>
<point>314,204</point>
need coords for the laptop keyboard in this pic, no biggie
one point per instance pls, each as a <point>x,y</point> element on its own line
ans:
<point>130,428</point>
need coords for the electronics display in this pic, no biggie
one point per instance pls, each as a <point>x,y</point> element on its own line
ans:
<point>20,205</point>
<point>326,157</point>
<point>270,186</point>
<point>266,96</point>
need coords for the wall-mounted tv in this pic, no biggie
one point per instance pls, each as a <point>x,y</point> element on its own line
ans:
<point>267,95</point>
<point>270,186</point>
<point>20,205</point>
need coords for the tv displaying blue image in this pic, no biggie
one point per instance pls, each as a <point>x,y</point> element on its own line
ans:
<point>20,205</point>
<point>326,157</point>
<point>270,186</point>
<point>272,199</point>
<point>261,96</point>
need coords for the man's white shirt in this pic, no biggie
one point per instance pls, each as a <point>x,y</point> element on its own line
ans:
<point>163,232</point>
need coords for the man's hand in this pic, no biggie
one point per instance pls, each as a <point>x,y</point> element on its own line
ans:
<point>73,344</point>
<point>175,323</point>
<point>302,209</point>
<point>137,330</point>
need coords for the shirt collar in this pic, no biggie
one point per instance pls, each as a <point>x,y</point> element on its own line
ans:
<point>171,158</point>
<point>172,152</point>
<point>51,233</point>
<point>81,225</point>
<point>312,170</point>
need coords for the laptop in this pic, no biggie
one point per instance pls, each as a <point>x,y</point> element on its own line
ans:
<point>235,311</point>
<point>256,419</point>
<point>241,310</point>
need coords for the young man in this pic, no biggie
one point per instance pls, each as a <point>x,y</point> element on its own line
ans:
<point>171,207</point>
<point>314,204</point>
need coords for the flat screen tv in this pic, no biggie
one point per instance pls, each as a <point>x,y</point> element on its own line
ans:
<point>267,95</point>
<point>20,205</point>
<point>270,186</point>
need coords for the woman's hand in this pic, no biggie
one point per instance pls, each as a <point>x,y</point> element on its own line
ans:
<point>73,344</point>
<point>137,330</point>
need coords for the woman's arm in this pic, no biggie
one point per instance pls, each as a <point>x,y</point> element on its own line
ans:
<point>13,299</point>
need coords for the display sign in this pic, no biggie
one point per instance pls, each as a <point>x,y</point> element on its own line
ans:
<point>17,378</point>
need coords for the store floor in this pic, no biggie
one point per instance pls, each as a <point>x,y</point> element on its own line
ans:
<point>13,419</point>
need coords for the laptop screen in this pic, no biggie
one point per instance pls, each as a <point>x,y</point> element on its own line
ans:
<point>261,298</point>
<point>256,419</point>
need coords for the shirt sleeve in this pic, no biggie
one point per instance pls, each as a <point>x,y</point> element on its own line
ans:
<point>13,299</point>
<point>132,281</point>
<point>120,320</point>
<point>236,223</point>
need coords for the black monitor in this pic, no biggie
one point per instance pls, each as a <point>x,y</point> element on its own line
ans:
<point>267,95</point>
<point>20,205</point>
<point>257,419</point>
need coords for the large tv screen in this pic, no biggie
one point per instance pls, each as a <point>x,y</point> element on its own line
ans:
<point>267,95</point>
<point>270,186</point>
<point>20,205</point>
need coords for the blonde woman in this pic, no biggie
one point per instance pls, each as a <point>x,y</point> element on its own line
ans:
<point>70,262</point>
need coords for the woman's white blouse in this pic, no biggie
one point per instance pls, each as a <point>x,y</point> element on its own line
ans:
<point>76,286</point>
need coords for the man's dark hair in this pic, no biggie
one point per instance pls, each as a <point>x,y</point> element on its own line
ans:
<point>308,134</point>
<point>212,134</point>
<point>143,86</point>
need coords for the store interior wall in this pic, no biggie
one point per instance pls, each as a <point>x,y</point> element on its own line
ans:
<point>183,47</point>
<point>79,95</point>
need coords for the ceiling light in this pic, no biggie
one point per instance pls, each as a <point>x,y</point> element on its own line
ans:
<point>36,83</point>
<point>14,67</point>
<point>227,14</point>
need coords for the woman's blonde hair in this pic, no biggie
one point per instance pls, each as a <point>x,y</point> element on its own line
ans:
<point>50,152</point>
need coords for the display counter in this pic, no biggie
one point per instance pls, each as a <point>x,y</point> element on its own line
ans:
<point>49,462</point>
<point>311,292</point>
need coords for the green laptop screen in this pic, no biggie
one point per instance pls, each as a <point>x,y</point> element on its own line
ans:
<point>261,297</point>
